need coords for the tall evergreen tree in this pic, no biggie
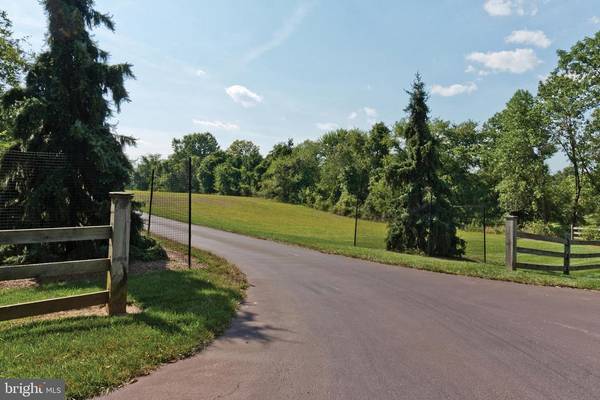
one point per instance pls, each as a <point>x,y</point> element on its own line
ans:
<point>70,93</point>
<point>421,217</point>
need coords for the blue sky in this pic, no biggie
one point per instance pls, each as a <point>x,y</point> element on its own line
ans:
<point>267,71</point>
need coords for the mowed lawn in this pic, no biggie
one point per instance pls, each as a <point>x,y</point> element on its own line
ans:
<point>183,311</point>
<point>332,233</point>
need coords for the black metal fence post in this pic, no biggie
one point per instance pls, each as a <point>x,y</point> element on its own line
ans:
<point>567,255</point>
<point>484,238</point>
<point>189,212</point>
<point>151,198</point>
<point>355,220</point>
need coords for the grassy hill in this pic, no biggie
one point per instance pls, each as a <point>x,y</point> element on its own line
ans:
<point>333,233</point>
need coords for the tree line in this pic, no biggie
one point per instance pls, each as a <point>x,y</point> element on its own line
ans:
<point>501,164</point>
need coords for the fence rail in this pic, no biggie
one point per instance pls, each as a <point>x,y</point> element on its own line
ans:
<point>47,270</point>
<point>512,250</point>
<point>116,265</point>
<point>52,235</point>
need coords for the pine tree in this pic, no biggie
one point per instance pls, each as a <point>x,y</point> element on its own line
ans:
<point>69,94</point>
<point>421,217</point>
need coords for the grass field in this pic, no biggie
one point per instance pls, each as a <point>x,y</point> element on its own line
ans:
<point>332,233</point>
<point>182,312</point>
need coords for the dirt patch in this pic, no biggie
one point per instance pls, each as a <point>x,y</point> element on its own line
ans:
<point>18,284</point>
<point>176,261</point>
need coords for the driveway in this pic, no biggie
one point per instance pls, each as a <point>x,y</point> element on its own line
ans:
<point>319,326</point>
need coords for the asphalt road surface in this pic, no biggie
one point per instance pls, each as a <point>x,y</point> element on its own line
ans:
<point>318,326</point>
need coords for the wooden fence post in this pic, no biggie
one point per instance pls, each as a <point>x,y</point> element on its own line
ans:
<point>510,242</point>
<point>567,255</point>
<point>118,252</point>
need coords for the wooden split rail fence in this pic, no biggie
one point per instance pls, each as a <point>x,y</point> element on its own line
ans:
<point>512,250</point>
<point>116,265</point>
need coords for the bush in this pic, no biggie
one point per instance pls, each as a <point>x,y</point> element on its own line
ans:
<point>541,228</point>
<point>145,248</point>
<point>590,233</point>
<point>345,205</point>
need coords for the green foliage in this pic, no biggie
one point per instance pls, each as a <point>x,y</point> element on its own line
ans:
<point>293,171</point>
<point>461,147</point>
<point>13,63</point>
<point>543,228</point>
<point>13,59</point>
<point>227,179</point>
<point>205,173</point>
<point>142,174</point>
<point>244,158</point>
<point>421,215</point>
<point>344,167</point>
<point>379,144</point>
<point>570,98</point>
<point>518,148</point>
<point>63,108</point>
<point>194,145</point>
<point>379,200</point>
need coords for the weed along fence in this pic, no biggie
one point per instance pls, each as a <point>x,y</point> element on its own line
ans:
<point>578,232</point>
<point>115,265</point>
<point>513,249</point>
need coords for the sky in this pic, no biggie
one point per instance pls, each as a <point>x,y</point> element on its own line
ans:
<point>267,71</point>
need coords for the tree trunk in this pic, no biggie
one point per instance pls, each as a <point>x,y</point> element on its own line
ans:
<point>575,161</point>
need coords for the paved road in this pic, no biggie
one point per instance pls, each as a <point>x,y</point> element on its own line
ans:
<point>320,326</point>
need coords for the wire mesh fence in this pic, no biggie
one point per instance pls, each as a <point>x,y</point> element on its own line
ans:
<point>20,172</point>
<point>167,204</point>
<point>45,190</point>
<point>482,232</point>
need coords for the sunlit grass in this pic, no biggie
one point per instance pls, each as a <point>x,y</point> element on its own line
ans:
<point>333,233</point>
<point>182,312</point>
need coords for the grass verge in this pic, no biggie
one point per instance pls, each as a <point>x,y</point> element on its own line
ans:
<point>183,311</point>
<point>332,233</point>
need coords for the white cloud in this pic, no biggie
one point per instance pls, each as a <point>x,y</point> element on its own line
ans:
<point>595,20</point>
<point>370,112</point>
<point>515,61</point>
<point>227,126</point>
<point>472,70</point>
<point>504,8</point>
<point>353,115</point>
<point>327,126</point>
<point>498,7</point>
<point>200,72</point>
<point>453,90</point>
<point>281,35</point>
<point>534,38</point>
<point>244,96</point>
